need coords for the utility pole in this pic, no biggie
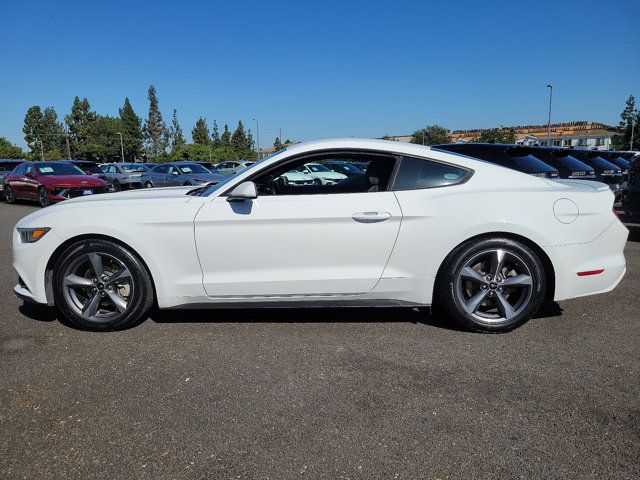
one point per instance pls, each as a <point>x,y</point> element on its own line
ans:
<point>257,136</point>
<point>41,149</point>
<point>66,136</point>
<point>280,134</point>
<point>550,87</point>
<point>633,125</point>
<point>121,147</point>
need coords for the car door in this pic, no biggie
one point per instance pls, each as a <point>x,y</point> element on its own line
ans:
<point>158,176</point>
<point>297,244</point>
<point>30,183</point>
<point>172,178</point>
<point>17,181</point>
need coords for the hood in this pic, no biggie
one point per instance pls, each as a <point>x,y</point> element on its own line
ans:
<point>71,181</point>
<point>145,194</point>
<point>333,175</point>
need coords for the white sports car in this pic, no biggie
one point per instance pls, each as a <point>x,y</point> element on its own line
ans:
<point>422,226</point>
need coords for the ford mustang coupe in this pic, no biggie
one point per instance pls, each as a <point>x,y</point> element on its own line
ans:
<point>422,227</point>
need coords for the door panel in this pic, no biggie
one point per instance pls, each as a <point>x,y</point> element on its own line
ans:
<point>296,244</point>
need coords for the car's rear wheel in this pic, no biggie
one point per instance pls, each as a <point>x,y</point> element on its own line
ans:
<point>317,181</point>
<point>8,194</point>
<point>43,197</point>
<point>116,186</point>
<point>491,285</point>
<point>148,185</point>
<point>100,285</point>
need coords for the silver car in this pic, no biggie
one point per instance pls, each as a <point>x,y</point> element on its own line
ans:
<point>177,174</point>
<point>232,167</point>
<point>124,175</point>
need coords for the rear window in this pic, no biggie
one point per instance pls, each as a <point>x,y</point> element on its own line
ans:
<point>89,167</point>
<point>417,173</point>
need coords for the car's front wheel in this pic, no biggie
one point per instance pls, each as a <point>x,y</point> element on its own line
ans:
<point>491,285</point>
<point>100,285</point>
<point>43,197</point>
<point>116,186</point>
<point>148,185</point>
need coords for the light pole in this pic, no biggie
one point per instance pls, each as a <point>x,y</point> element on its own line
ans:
<point>633,125</point>
<point>550,87</point>
<point>257,136</point>
<point>121,147</point>
<point>41,149</point>
<point>66,136</point>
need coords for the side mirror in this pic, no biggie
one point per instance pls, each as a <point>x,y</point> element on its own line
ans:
<point>29,174</point>
<point>244,191</point>
<point>175,172</point>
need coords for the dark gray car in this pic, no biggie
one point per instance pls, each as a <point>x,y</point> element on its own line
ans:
<point>124,175</point>
<point>6,166</point>
<point>177,174</point>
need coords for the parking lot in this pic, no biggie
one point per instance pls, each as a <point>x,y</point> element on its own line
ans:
<point>386,393</point>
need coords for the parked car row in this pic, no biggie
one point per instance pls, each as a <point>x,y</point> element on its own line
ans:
<point>608,167</point>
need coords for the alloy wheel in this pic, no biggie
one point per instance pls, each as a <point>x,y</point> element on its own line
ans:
<point>494,285</point>
<point>98,287</point>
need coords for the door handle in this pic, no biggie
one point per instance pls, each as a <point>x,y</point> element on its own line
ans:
<point>371,217</point>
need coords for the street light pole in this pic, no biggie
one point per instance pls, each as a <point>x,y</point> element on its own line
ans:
<point>66,136</point>
<point>121,147</point>
<point>550,86</point>
<point>633,125</point>
<point>257,136</point>
<point>41,149</point>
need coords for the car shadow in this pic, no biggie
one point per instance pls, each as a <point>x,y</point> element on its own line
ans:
<point>632,222</point>
<point>422,315</point>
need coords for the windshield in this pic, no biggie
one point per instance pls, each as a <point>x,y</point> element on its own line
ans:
<point>58,169</point>
<point>316,167</point>
<point>193,168</point>
<point>214,188</point>
<point>530,164</point>
<point>132,167</point>
<point>89,167</point>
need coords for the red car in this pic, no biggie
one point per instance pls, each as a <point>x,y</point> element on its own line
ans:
<point>49,182</point>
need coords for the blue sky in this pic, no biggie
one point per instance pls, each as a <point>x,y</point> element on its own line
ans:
<point>324,68</point>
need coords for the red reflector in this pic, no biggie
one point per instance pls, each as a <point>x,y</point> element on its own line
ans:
<point>590,272</point>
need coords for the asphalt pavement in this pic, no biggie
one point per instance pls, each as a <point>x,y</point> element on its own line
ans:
<point>327,394</point>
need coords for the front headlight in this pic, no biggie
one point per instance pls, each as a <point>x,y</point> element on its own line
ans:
<point>31,235</point>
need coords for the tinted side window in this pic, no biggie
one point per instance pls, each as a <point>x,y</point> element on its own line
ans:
<point>20,169</point>
<point>416,173</point>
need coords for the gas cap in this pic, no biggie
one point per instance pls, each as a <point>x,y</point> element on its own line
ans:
<point>565,210</point>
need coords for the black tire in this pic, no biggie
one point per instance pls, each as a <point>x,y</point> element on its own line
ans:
<point>148,185</point>
<point>186,184</point>
<point>317,181</point>
<point>116,186</point>
<point>106,316</point>
<point>486,299</point>
<point>8,194</point>
<point>43,197</point>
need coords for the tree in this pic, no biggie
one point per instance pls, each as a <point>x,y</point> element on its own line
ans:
<point>200,132</point>
<point>215,136</point>
<point>277,144</point>
<point>131,131</point>
<point>191,151</point>
<point>177,138</point>
<point>431,135</point>
<point>78,122</point>
<point>496,135</point>
<point>629,120</point>
<point>156,134</point>
<point>9,150</point>
<point>53,155</point>
<point>42,130</point>
<point>242,142</point>
<point>225,138</point>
